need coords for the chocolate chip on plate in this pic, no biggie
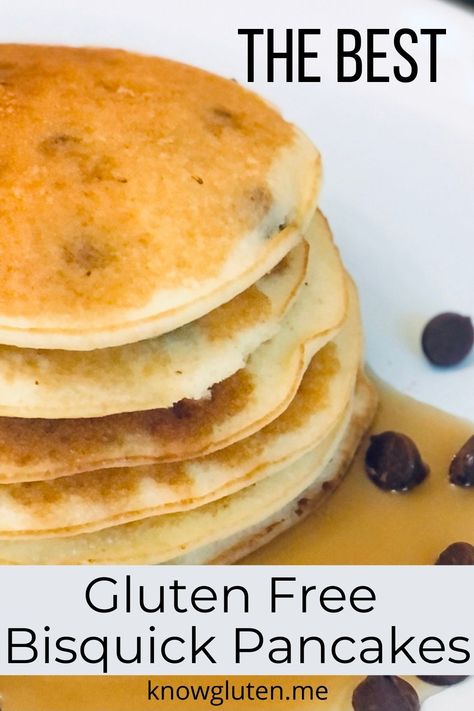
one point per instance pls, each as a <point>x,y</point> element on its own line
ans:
<point>393,462</point>
<point>459,553</point>
<point>385,693</point>
<point>447,339</point>
<point>442,680</point>
<point>461,470</point>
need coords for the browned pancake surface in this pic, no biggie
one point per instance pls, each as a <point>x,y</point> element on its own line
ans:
<point>121,172</point>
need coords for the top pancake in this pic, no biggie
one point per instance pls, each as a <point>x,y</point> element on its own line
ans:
<point>136,194</point>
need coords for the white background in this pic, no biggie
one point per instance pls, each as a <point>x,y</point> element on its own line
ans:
<point>407,597</point>
<point>398,157</point>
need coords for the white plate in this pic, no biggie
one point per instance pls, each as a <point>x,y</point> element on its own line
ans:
<point>398,157</point>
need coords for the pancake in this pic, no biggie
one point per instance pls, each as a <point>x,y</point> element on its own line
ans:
<point>246,540</point>
<point>168,538</point>
<point>153,373</point>
<point>96,500</point>
<point>39,449</point>
<point>137,194</point>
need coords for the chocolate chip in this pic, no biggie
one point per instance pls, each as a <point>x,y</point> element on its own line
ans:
<point>457,554</point>
<point>182,410</point>
<point>447,338</point>
<point>442,680</point>
<point>385,693</point>
<point>59,143</point>
<point>223,113</point>
<point>253,206</point>
<point>461,470</point>
<point>82,253</point>
<point>393,462</point>
<point>301,506</point>
<point>261,199</point>
<point>220,118</point>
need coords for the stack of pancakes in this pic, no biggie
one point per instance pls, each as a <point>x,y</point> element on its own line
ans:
<point>180,368</point>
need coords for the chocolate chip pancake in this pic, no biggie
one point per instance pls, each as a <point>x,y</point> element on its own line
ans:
<point>137,194</point>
